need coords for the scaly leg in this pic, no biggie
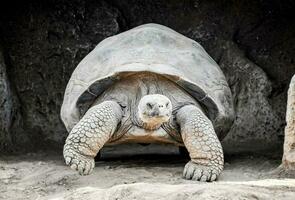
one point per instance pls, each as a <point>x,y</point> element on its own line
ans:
<point>90,134</point>
<point>202,144</point>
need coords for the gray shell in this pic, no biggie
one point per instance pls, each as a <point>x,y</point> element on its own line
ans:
<point>153,48</point>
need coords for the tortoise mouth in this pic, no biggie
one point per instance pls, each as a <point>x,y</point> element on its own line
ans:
<point>156,116</point>
<point>159,119</point>
<point>153,122</point>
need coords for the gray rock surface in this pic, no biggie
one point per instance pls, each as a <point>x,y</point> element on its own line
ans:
<point>44,48</point>
<point>289,144</point>
<point>9,108</point>
<point>44,42</point>
<point>257,122</point>
<point>5,105</point>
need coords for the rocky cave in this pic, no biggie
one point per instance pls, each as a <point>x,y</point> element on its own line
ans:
<point>41,43</point>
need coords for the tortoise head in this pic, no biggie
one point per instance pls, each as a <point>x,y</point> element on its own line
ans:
<point>154,110</point>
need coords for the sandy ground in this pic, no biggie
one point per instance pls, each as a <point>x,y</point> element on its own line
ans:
<point>136,172</point>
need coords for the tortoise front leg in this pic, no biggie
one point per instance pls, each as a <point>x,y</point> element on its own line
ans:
<point>202,144</point>
<point>90,134</point>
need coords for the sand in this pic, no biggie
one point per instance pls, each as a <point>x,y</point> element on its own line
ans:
<point>137,172</point>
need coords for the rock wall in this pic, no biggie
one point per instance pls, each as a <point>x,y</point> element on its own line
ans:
<point>9,115</point>
<point>44,41</point>
<point>289,143</point>
<point>257,123</point>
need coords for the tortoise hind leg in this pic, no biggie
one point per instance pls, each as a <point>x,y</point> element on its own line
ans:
<point>202,144</point>
<point>90,134</point>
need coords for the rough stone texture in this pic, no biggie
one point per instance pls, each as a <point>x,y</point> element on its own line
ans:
<point>257,122</point>
<point>44,41</point>
<point>5,105</point>
<point>8,109</point>
<point>289,144</point>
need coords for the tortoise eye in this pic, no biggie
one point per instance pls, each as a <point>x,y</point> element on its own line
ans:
<point>167,104</point>
<point>149,105</point>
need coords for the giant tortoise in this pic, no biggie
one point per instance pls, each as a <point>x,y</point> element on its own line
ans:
<point>148,85</point>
